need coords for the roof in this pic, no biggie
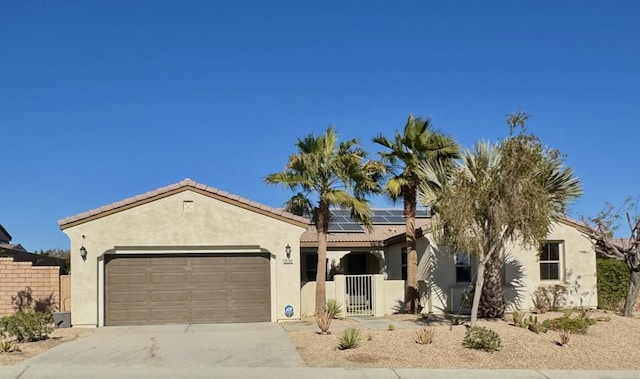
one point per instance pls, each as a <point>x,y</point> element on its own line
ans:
<point>172,189</point>
<point>4,232</point>
<point>380,235</point>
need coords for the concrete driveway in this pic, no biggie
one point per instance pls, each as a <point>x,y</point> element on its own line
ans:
<point>199,345</point>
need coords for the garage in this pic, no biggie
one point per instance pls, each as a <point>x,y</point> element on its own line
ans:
<point>183,288</point>
<point>184,253</point>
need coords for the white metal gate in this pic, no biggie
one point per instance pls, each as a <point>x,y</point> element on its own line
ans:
<point>359,295</point>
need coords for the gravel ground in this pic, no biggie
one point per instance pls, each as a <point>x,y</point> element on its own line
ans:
<point>607,345</point>
<point>30,349</point>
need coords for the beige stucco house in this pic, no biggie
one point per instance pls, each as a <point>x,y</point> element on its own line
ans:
<point>189,253</point>
<point>180,254</point>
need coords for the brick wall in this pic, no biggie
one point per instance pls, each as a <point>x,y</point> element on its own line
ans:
<point>44,282</point>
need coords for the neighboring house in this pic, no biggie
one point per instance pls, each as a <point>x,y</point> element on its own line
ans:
<point>27,277</point>
<point>190,253</point>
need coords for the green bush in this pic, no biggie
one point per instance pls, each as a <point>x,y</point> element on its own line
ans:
<point>572,325</point>
<point>350,339</point>
<point>613,282</point>
<point>481,338</point>
<point>27,326</point>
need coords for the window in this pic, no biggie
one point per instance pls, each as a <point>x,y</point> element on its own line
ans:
<point>403,263</point>
<point>463,267</point>
<point>550,261</point>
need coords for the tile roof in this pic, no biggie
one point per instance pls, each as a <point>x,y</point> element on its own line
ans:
<point>186,184</point>
<point>378,236</point>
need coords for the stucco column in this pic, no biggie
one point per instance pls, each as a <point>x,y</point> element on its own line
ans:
<point>340,292</point>
<point>378,295</point>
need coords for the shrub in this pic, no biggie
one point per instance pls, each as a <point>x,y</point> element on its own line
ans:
<point>481,338</point>
<point>350,339</point>
<point>9,347</point>
<point>425,335</point>
<point>549,298</point>
<point>329,312</point>
<point>613,282</point>
<point>27,326</point>
<point>571,325</point>
<point>391,328</point>
<point>565,336</point>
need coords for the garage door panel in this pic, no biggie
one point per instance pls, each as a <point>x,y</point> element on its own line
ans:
<point>169,296</point>
<point>129,278</point>
<point>158,289</point>
<point>169,278</point>
<point>130,316</point>
<point>127,297</point>
<point>169,261</point>
<point>174,315</point>
<point>208,277</point>
<point>219,294</point>
<point>249,294</point>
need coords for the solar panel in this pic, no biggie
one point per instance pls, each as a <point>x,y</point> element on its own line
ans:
<point>341,221</point>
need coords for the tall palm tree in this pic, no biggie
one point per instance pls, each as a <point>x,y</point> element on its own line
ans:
<point>326,174</point>
<point>419,143</point>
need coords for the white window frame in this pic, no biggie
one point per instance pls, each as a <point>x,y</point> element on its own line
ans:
<point>457,263</point>
<point>552,261</point>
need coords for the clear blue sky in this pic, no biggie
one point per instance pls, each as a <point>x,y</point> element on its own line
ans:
<point>102,100</point>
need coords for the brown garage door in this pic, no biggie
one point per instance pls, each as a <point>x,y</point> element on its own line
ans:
<point>187,289</point>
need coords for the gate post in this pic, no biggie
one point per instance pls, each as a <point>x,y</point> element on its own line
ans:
<point>341,293</point>
<point>378,295</point>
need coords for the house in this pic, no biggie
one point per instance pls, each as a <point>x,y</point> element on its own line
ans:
<point>185,253</point>
<point>27,278</point>
<point>189,253</point>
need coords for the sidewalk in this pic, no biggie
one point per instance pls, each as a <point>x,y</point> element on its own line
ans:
<point>143,371</point>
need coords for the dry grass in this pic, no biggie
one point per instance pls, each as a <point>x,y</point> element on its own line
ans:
<point>31,349</point>
<point>607,345</point>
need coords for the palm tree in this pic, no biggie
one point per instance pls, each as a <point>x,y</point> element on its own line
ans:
<point>512,190</point>
<point>419,143</point>
<point>332,175</point>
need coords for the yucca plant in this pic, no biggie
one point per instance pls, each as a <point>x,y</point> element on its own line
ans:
<point>9,347</point>
<point>565,336</point>
<point>350,339</point>
<point>425,335</point>
<point>329,312</point>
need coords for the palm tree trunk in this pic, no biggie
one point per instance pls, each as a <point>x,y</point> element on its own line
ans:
<point>411,296</point>
<point>632,293</point>
<point>322,225</point>
<point>492,303</point>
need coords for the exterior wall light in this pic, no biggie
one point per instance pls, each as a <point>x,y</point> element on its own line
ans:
<point>83,253</point>
<point>288,259</point>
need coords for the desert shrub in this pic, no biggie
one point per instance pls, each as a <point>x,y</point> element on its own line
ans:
<point>27,326</point>
<point>350,339</point>
<point>531,323</point>
<point>425,335</point>
<point>9,347</point>
<point>549,298</point>
<point>572,325</point>
<point>565,336</point>
<point>329,312</point>
<point>391,328</point>
<point>481,338</point>
<point>613,282</point>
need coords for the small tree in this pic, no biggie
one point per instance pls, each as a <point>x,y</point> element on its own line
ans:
<point>509,191</point>
<point>601,229</point>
